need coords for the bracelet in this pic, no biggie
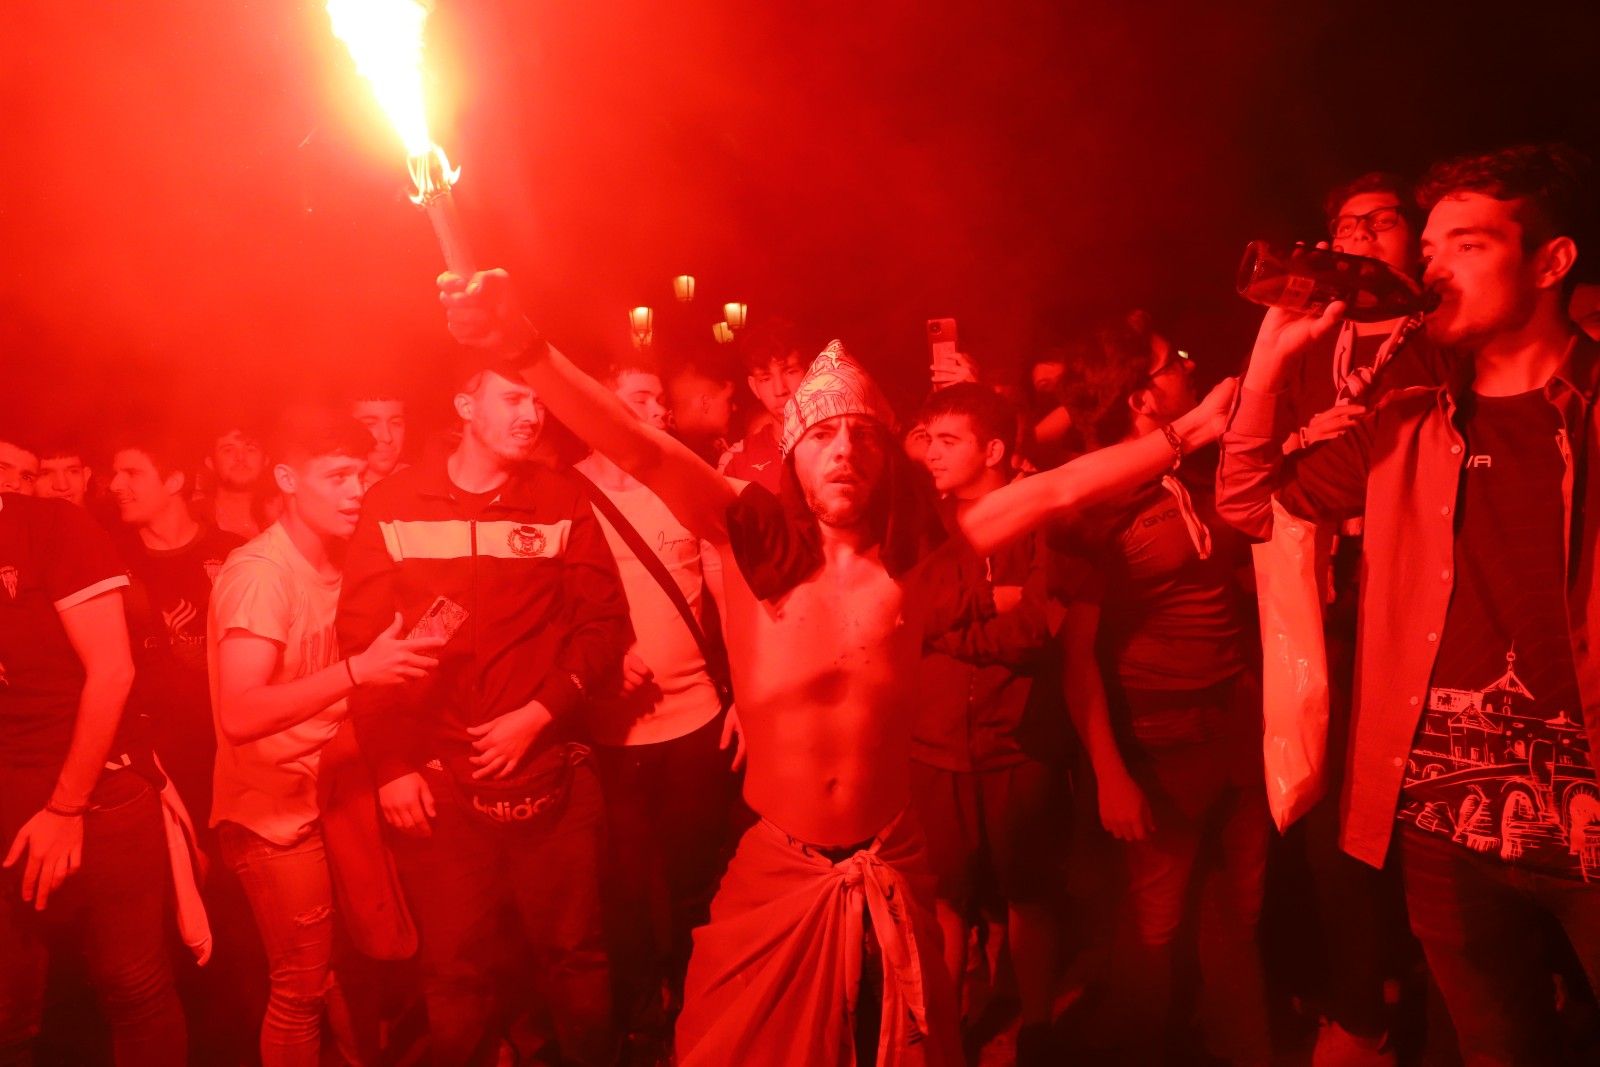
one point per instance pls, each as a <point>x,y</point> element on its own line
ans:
<point>1176,442</point>
<point>66,813</point>
<point>351,673</point>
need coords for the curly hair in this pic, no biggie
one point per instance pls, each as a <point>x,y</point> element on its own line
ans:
<point>1113,366</point>
<point>1548,179</point>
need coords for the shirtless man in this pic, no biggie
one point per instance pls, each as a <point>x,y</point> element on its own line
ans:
<point>827,602</point>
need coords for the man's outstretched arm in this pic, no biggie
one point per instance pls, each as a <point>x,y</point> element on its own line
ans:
<point>483,313</point>
<point>1024,505</point>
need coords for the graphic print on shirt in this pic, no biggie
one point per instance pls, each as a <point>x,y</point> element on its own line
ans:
<point>186,633</point>
<point>1500,762</point>
<point>1494,774</point>
<point>8,576</point>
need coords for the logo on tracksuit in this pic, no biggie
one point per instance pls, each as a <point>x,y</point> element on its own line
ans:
<point>526,541</point>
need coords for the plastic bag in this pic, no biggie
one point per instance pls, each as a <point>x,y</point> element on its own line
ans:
<point>1294,667</point>
<point>187,864</point>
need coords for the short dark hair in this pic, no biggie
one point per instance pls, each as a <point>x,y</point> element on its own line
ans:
<point>635,363</point>
<point>21,442</point>
<point>373,389</point>
<point>701,364</point>
<point>307,433</point>
<point>768,341</point>
<point>1376,181</point>
<point>993,417</point>
<point>168,453</point>
<point>1548,178</point>
<point>246,428</point>
<point>60,448</point>
<point>1054,354</point>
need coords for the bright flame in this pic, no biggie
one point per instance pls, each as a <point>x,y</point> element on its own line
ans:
<point>385,40</point>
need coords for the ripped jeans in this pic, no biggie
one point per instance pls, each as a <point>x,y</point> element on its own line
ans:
<point>291,897</point>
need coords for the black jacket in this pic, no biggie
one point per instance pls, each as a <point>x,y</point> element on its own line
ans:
<point>547,617</point>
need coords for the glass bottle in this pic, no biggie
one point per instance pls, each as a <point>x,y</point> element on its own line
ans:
<point>1303,278</point>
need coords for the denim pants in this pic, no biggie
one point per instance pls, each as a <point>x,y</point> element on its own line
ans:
<point>1208,856</point>
<point>463,879</point>
<point>114,910</point>
<point>1479,922</point>
<point>291,898</point>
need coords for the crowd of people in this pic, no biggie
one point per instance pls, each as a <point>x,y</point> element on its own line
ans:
<point>812,735</point>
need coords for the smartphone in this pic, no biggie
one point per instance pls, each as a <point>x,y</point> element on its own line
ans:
<point>442,619</point>
<point>942,341</point>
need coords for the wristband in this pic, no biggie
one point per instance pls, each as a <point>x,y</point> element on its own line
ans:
<point>351,673</point>
<point>66,813</point>
<point>538,348</point>
<point>1176,442</point>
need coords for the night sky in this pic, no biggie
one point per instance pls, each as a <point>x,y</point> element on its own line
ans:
<point>203,209</point>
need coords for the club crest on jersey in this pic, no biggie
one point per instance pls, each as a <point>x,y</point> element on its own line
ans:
<point>8,576</point>
<point>526,541</point>
<point>211,567</point>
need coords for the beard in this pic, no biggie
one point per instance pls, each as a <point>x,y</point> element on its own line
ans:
<point>507,447</point>
<point>841,508</point>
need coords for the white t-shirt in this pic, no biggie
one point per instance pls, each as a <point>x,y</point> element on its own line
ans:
<point>268,589</point>
<point>681,698</point>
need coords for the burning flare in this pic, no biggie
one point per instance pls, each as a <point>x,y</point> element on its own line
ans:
<point>385,41</point>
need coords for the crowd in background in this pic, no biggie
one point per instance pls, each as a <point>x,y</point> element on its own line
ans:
<point>319,740</point>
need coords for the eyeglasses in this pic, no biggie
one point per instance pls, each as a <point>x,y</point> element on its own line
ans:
<point>1179,360</point>
<point>1376,221</point>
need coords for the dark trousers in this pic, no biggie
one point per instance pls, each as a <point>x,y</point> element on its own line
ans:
<point>113,910</point>
<point>1359,916</point>
<point>1481,921</point>
<point>461,882</point>
<point>669,825</point>
<point>1207,857</point>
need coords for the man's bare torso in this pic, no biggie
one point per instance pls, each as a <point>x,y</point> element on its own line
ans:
<point>821,676</point>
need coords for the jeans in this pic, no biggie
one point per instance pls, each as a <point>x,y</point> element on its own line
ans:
<point>461,880</point>
<point>1479,922</point>
<point>669,827</point>
<point>291,898</point>
<point>1208,798</point>
<point>115,910</point>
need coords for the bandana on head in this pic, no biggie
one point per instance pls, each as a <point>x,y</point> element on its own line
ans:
<point>834,385</point>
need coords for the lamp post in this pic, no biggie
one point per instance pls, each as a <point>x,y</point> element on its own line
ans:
<point>641,323</point>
